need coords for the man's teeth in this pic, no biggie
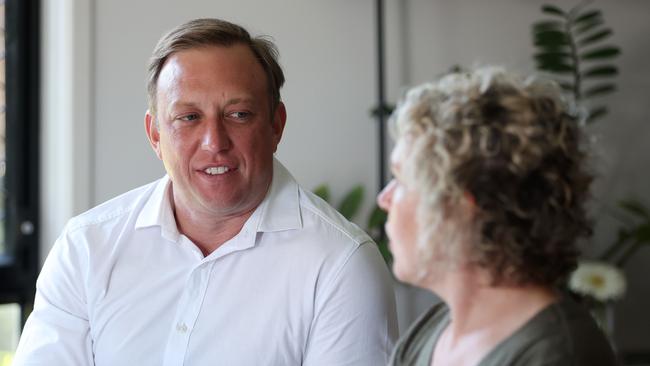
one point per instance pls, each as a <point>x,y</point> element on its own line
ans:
<point>217,170</point>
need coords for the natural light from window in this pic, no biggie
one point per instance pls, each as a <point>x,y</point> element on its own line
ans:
<point>9,326</point>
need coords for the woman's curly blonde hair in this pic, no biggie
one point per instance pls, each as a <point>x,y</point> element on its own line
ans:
<point>511,144</point>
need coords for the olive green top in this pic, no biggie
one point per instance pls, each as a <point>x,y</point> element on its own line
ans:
<point>562,334</point>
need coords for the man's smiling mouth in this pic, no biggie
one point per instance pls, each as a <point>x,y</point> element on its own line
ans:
<point>216,170</point>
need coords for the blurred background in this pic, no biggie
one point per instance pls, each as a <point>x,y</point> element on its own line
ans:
<point>81,139</point>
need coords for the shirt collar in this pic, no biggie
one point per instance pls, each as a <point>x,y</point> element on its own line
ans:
<point>280,209</point>
<point>157,211</point>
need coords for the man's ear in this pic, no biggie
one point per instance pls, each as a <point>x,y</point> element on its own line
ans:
<point>153,134</point>
<point>279,120</point>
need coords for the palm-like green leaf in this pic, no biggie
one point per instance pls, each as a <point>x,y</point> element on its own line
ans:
<point>596,113</point>
<point>559,62</point>
<point>387,109</point>
<point>640,236</point>
<point>557,67</point>
<point>642,233</point>
<point>561,41</point>
<point>627,253</point>
<point>600,71</point>
<point>599,89</point>
<point>622,237</point>
<point>382,245</point>
<point>598,36</point>
<point>553,10</point>
<point>580,32</point>
<point>377,218</point>
<point>551,37</point>
<point>547,25</point>
<point>323,191</point>
<point>553,56</point>
<point>553,48</point>
<point>588,17</point>
<point>632,237</point>
<point>635,208</point>
<point>588,26</point>
<point>599,53</point>
<point>351,202</point>
<point>566,86</point>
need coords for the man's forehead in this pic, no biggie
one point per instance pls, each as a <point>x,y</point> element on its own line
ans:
<point>239,54</point>
<point>197,69</point>
<point>170,71</point>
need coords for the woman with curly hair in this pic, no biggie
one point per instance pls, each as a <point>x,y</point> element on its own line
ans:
<point>485,209</point>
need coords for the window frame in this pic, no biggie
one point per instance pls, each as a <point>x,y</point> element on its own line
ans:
<point>19,268</point>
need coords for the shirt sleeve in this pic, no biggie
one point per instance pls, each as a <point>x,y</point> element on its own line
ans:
<point>355,321</point>
<point>57,331</point>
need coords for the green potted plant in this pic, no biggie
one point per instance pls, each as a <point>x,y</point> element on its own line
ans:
<point>574,46</point>
<point>571,46</point>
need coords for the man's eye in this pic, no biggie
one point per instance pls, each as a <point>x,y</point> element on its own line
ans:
<point>189,117</point>
<point>240,115</point>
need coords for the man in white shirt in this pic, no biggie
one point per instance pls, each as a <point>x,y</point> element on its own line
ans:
<point>224,261</point>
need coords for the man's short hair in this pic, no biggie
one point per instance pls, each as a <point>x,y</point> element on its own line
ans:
<point>215,32</point>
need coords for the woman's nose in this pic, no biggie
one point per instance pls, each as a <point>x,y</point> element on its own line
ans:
<point>386,195</point>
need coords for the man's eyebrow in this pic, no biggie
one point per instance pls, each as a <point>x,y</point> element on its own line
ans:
<point>239,100</point>
<point>181,103</point>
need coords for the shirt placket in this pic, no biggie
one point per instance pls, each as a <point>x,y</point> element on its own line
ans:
<point>189,308</point>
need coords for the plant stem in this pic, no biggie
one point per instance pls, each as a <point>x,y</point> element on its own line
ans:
<point>626,255</point>
<point>577,79</point>
<point>613,249</point>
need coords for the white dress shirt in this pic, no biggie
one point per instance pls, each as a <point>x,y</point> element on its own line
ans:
<point>298,285</point>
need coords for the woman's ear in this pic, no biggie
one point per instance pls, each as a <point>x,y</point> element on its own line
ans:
<point>469,199</point>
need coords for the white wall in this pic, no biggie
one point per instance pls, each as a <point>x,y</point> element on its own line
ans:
<point>327,51</point>
<point>66,132</point>
<point>443,33</point>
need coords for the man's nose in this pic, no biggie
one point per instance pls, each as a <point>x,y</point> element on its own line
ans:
<point>215,136</point>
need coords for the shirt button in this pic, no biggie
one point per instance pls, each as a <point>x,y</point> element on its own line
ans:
<point>181,327</point>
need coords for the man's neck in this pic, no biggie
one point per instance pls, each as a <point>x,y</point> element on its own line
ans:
<point>206,230</point>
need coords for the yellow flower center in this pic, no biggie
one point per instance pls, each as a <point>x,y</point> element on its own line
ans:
<point>597,281</point>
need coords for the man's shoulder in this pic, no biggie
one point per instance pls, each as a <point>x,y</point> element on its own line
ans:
<point>114,208</point>
<point>318,215</point>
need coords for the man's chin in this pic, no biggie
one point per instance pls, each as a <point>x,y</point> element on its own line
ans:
<point>223,208</point>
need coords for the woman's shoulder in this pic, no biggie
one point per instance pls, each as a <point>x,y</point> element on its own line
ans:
<point>415,346</point>
<point>564,333</point>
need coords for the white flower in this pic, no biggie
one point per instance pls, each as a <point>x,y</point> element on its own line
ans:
<point>599,280</point>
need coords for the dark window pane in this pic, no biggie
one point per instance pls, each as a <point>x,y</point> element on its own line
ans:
<point>3,246</point>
